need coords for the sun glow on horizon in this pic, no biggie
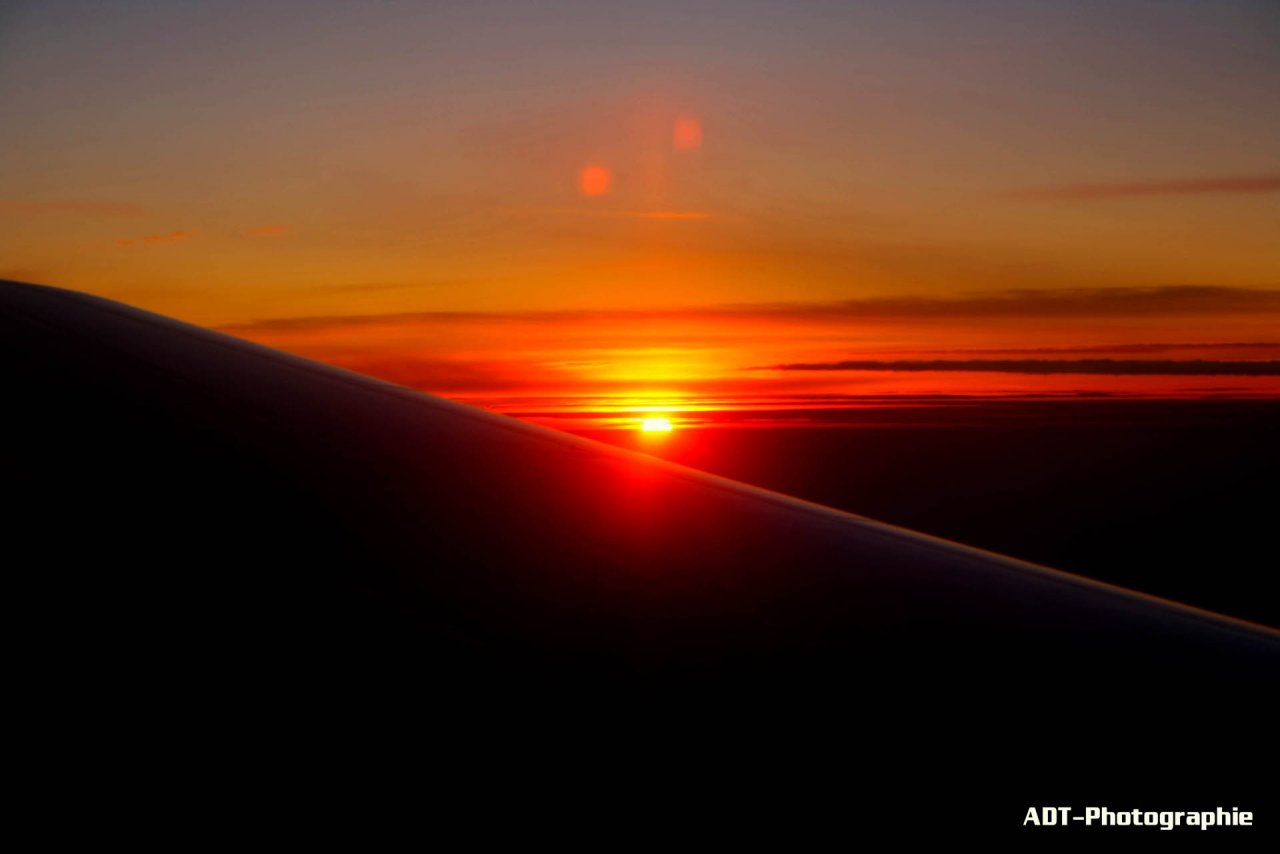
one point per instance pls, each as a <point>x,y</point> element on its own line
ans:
<point>656,425</point>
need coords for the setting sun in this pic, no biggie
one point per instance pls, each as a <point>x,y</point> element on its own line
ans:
<point>656,425</point>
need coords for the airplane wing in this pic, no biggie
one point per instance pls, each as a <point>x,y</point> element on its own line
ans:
<point>199,512</point>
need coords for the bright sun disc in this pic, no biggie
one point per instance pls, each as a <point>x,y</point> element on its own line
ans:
<point>655,425</point>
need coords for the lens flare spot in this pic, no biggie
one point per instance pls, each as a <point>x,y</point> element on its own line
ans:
<point>687,134</point>
<point>655,425</point>
<point>594,180</point>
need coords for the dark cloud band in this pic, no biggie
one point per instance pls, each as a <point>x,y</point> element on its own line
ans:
<point>1159,301</point>
<point>1102,367</point>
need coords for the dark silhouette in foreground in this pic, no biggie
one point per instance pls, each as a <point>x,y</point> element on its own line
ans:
<point>1171,497</point>
<point>232,547</point>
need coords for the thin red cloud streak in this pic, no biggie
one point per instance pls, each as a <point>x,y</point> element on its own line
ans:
<point>670,214</point>
<point>112,210</point>
<point>1104,367</point>
<point>1119,190</point>
<point>1084,303</point>
<point>155,239</point>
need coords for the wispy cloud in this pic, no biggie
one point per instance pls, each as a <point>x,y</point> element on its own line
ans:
<point>668,214</point>
<point>1107,348</point>
<point>1119,190</point>
<point>375,287</point>
<point>591,213</point>
<point>110,210</point>
<point>155,239</point>
<point>443,374</point>
<point>1102,367</point>
<point>1085,303</point>
<point>1161,300</point>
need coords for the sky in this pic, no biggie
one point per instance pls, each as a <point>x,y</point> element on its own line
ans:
<point>669,201</point>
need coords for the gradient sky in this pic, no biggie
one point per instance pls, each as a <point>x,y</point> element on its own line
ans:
<point>491,199</point>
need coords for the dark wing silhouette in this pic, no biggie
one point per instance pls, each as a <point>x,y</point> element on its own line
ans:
<point>199,516</point>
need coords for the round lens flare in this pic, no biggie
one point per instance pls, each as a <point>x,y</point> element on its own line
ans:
<point>594,180</point>
<point>687,134</point>
<point>656,425</point>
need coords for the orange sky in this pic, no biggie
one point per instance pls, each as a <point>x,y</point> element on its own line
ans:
<point>571,200</point>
